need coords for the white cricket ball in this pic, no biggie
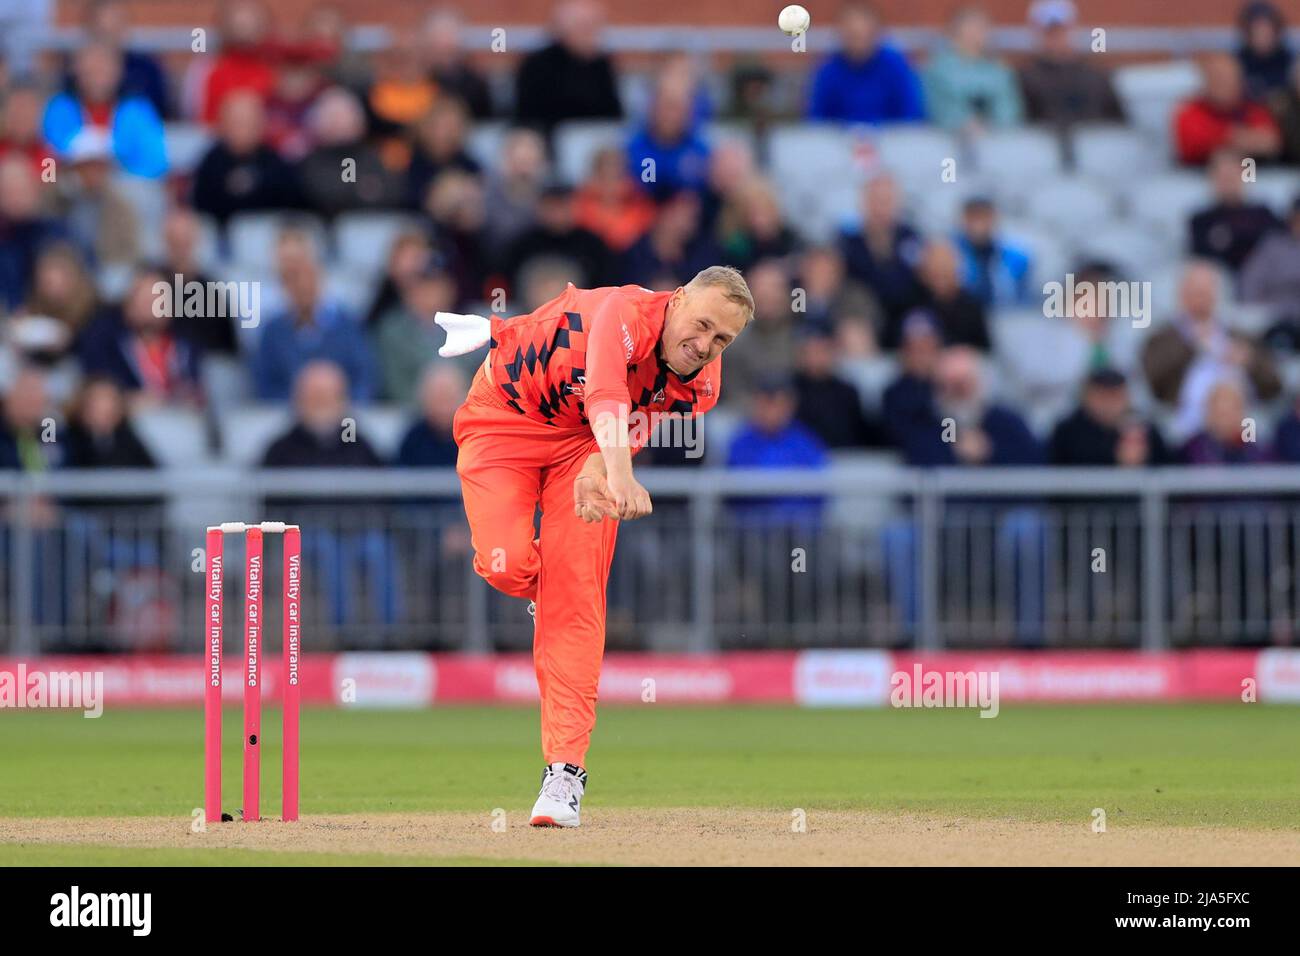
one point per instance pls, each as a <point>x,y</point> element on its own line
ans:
<point>794,20</point>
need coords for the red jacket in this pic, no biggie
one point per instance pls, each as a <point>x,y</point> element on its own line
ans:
<point>1201,127</point>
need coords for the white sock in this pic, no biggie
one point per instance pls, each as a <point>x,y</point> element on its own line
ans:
<point>465,333</point>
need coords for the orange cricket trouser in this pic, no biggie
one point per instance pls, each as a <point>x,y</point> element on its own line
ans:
<point>508,465</point>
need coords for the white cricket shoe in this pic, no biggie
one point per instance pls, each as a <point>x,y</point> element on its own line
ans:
<point>557,805</point>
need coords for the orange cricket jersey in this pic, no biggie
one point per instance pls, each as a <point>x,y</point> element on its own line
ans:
<point>592,350</point>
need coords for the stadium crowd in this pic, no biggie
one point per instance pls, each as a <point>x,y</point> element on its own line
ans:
<point>869,337</point>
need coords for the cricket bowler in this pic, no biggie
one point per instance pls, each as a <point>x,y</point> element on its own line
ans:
<point>546,423</point>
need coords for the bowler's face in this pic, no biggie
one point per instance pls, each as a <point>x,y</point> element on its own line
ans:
<point>700,324</point>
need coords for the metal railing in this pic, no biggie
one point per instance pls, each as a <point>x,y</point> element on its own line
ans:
<point>848,557</point>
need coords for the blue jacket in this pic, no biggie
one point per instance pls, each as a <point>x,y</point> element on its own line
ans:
<point>137,132</point>
<point>334,336</point>
<point>792,447</point>
<point>1002,279</point>
<point>1013,442</point>
<point>882,89</point>
<point>680,165</point>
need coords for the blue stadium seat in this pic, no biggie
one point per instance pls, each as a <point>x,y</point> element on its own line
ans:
<point>362,239</point>
<point>484,142</point>
<point>577,142</point>
<point>176,437</point>
<point>252,236</point>
<point>1166,202</point>
<point>1112,151</point>
<point>1130,247</point>
<point>1071,206</point>
<point>916,153</point>
<point>247,432</point>
<point>383,426</point>
<point>1021,155</point>
<point>1150,92</point>
<point>186,144</point>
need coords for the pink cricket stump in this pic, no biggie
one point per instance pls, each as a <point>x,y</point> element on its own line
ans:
<point>252,672</point>
<point>212,679</point>
<point>292,663</point>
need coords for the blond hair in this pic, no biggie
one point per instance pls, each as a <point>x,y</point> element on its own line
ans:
<point>730,281</point>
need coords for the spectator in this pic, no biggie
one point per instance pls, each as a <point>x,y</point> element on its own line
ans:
<point>447,67</point>
<point>960,315</point>
<point>830,297</point>
<point>24,229</point>
<point>133,126</point>
<point>570,78</point>
<point>299,82</point>
<point>1059,86</point>
<point>63,290</point>
<point>982,431</point>
<point>884,252</point>
<point>1271,275</point>
<point>407,339</point>
<point>1264,55</point>
<point>1285,105</point>
<point>316,439</point>
<point>99,434</point>
<point>20,129</point>
<point>731,169</point>
<point>674,248</point>
<point>967,89</point>
<point>312,327</point>
<point>439,147</point>
<point>768,344</point>
<point>1224,116</point>
<point>771,437</point>
<point>994,270</point>
<point>96,213</point>
<point>755,98</point>
<point>26,442</point>
<point>751,227</point>
<point>344,544</point>
<point>867,80</point>
<point>610,203</point>
<point>1187,356</point>
<point>240,172</point>
<point>137,346</point>
<point>1104,430</point>
<point>827,405</point>
<point>1222,438</point>
<point>1053,357</point>
<point>1286,438</point>
<point>963,427</point>
<point>109,21</point>
<point>557,233</point>
<point>325,27</point>
<point>514,188</point>
<point>669,153</point>
<point>406,256</point>
<point>455,204</point>
<point>338,126</point>
<point>401,94</point>
<point>245,63</point>
<point>907,401</point>
<point>429,442</point>
<point>1230,229</point>
<point>211,334</point>
<point>544,278</point>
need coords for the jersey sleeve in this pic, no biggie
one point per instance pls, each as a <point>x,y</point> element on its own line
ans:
<point>610,345</point>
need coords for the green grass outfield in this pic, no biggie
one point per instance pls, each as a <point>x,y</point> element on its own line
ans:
<point>1228,764</point>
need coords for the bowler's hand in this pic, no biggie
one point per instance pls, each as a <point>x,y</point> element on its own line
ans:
<point>630,498</point>
<point>591,498</point>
